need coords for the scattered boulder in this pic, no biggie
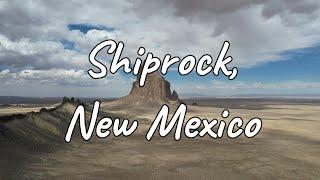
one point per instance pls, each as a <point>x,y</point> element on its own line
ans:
<point>72,100</point>
<point>65,100</point>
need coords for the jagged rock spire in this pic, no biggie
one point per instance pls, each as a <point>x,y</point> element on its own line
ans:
<point>155,89</point>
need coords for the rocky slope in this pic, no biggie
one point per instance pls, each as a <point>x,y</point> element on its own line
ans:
<point>37,129</point>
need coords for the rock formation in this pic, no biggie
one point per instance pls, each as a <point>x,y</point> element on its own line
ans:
<point>155,90</point>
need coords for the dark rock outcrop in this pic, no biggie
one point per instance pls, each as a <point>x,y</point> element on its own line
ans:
<point>155,90</point>
<point>174,96</point>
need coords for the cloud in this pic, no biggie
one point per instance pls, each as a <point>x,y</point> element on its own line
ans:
<point>270,8</point>
<point>4,72</point>
<point>61,82</point>
<point>56,77</point>
<point>218,88</point>
<point>46,54</point>
<point>33,34</point>
<point>283,85</point>
<point>258,30</point>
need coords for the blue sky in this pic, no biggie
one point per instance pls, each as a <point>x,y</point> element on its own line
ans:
<point>298,64</point>
<point>85,27</point>
<point>44,47</point>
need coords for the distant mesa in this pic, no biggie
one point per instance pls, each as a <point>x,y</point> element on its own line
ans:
<point>156,90</point>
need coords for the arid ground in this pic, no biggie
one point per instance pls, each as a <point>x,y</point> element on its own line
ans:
<point>288,147</point>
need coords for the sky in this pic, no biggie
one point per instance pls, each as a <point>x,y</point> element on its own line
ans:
<point>44,45</point>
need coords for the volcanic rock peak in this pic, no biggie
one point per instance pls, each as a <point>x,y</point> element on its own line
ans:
<point>156,89</point>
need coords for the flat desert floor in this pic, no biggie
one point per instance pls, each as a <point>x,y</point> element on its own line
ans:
<point>288,147</point>
<point>22,108</point>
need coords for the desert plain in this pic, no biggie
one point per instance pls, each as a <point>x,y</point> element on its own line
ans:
<point>288,146</point>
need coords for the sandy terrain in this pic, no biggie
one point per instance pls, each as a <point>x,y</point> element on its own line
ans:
<point>22,108</point>
<point>288,147</point>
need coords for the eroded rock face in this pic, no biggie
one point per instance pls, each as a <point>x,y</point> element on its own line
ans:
<point>156,89</point>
